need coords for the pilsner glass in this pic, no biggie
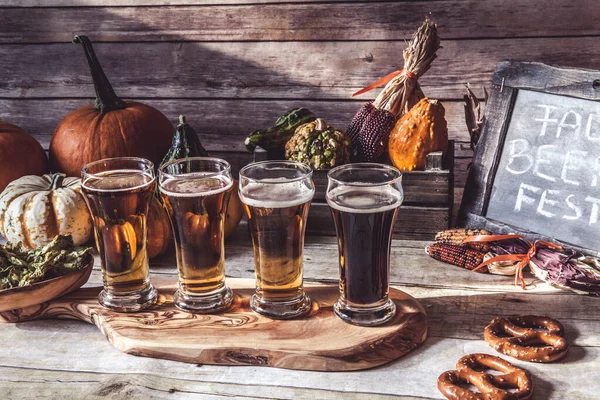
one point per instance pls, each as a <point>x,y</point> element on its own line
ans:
<point>118,192</point>
<point>364,200</point>
<point>276,197</point>
<point>195,192</point>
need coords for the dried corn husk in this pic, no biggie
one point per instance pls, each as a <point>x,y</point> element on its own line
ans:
<point>402,92</point>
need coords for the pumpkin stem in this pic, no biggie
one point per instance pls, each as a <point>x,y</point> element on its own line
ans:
<point>106,98</point>
<point>57,180</point>
<point>182,119</point>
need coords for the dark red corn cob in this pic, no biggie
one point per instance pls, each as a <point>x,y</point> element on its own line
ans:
<point>457,255</point>
<point>369,131</point>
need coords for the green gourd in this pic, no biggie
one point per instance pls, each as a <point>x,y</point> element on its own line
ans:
<point>277,136</point>
<point>185,143</point>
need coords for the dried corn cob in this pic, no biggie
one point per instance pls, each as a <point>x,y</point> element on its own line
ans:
<point>457,235</point>
<point>457,255</point>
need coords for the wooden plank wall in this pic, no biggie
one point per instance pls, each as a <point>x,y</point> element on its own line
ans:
<point>233,66</point>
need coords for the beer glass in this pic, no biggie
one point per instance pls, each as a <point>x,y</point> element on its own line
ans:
<point>118,192</point>
<point>276,196</point>
<point>364,200</point>
<point>195,192</point>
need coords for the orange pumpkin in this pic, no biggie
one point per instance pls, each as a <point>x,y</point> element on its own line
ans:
<point>159,229</point>
<point>109,128</point>
<point>235,211</point>
<point>419,132</point>
<point>20,155</point>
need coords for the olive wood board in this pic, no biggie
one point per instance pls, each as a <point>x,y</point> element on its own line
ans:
<point>319,341</point>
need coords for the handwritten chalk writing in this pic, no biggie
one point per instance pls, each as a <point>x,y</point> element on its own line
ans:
<point>548,158</point>
<point>547,203</point>
<point>594,214</point>
<point>540,160</point>
<point>523,198</point>
<point>563,124</point>
<point>572,163</point>
<point>519,149</point>
<point>588,129</point>
<point>546,118</point>
<point>574,207</point>
<point>596,172</point>
<point>545,200</point>
<point>547,177</point>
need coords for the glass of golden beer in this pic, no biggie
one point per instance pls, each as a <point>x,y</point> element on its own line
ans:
<point>118,192</point>
<point>276,196</point>
<point>195,192</point>
<point>364,200</point>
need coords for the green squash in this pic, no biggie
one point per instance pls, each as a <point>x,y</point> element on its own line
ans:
<point>185,143</point>
<point>277,136</point>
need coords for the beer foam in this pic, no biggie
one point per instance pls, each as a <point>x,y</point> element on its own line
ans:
<point>195,184</point>
<point>118,181</point>
<point>356,199</point>
<point>276,193</point>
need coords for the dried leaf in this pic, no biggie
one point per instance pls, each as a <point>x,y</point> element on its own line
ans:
<point>20,266</point>
<point>474,114</point>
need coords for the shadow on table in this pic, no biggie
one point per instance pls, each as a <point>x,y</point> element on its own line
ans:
<point>465,317</point>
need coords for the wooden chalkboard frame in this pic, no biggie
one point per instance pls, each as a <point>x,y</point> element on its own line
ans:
<point>510,76</point>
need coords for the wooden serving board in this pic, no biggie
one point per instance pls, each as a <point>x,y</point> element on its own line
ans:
<point>320,341</point>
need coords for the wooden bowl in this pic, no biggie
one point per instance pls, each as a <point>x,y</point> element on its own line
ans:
<point>41,292</point>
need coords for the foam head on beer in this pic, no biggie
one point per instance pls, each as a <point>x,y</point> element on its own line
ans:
<point>277,193</point>
<point>193,184</point>
<point>364,199</point>
<point>276,184</point>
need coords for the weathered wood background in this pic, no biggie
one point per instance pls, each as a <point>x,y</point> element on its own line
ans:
<point>234,66</point>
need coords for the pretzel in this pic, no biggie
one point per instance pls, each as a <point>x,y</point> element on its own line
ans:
<point>492,387</point>
<point>525,340</point>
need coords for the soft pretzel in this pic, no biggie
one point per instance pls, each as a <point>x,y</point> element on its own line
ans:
<point>492,387</point>
<point>526,341</point>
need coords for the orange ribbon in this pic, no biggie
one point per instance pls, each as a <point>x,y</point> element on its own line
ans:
<point>385,80</point>
<point>523,259</point>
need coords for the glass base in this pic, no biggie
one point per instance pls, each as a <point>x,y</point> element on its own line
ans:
<point>281,309</point>
<point>365,316</point>
<point>129,303</point>
<point>203,304</point>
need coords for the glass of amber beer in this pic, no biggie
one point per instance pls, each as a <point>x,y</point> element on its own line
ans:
<point>364,200</point>
<point>118,192</point>
<point>195,192</point>
<point>276,197</point>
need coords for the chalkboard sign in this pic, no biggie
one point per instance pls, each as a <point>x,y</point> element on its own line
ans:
<point>536,170</point>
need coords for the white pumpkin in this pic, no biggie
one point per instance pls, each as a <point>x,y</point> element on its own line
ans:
<point>34,209</point>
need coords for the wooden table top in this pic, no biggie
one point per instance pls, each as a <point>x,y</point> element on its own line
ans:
<point>69,359</point>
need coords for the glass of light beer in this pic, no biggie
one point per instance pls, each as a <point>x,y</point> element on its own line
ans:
<point>364,200</point>
<point>276,196</point>
<point>118,192</point>
<point>195,192</point>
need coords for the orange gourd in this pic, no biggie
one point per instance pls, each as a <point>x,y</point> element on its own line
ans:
<point>235,210</point>
<point>159,229</point>
<point>419,132</point>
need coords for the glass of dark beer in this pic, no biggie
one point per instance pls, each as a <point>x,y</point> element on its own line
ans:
<point>195,192</point>
<point>364,200</point>
<point>276,196</point>
<point>118,192</point>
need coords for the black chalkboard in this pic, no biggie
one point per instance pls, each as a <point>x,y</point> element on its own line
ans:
<point>536,169</point>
